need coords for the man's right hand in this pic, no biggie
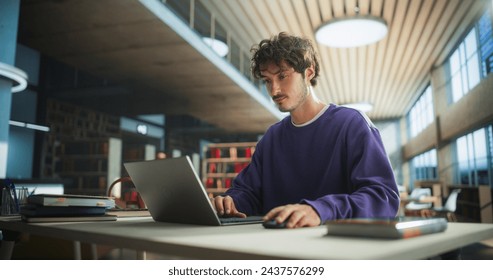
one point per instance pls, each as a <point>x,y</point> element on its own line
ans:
<point>225,206</point>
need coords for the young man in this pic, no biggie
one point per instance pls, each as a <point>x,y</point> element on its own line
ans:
<point>322,162</point>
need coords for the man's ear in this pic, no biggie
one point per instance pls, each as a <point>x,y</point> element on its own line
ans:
<point>309,73</point>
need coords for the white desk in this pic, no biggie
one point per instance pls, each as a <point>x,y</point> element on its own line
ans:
<point>252,241</point>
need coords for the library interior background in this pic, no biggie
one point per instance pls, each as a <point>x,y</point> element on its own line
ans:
<point>86,86</point>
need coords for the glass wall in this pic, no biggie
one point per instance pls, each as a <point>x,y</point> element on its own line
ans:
<point>202,20</point>
<point>181,9</point>
<point>205,23</point>
<point>470,62</point>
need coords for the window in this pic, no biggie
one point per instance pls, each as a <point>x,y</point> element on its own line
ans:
<point>473,58</point>
<point>464,66</point>
<point>421,114</point>
<point>485,29</point>
<point>474,165</point>
<point>424,166</point>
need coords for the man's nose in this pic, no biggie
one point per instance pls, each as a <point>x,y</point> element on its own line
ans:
<point>274,88</point>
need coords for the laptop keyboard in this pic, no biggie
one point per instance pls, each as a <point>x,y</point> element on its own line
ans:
<point>249,219</point>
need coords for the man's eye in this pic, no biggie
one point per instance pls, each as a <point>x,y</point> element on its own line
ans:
<point>282,77</point>
<point>266,81</point>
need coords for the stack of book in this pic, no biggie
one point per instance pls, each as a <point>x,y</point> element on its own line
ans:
<point>67,208</point>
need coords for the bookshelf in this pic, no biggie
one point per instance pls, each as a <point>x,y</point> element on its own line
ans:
<point>71,121</point>
<point>88,166</point>
<point>474,204</point>
<point>222,162</point>
<point>137,152</point>
<point>83,148</point>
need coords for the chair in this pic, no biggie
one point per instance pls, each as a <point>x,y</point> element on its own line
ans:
<point>414,205</point>
<point>415,196</point>
<point>448,209</point>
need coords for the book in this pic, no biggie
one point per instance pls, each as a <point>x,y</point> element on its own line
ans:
<point>60,219</point>
<point>123,213</point>
<point>398,228</point>
<point>33,210</point>
<point>71,200</point>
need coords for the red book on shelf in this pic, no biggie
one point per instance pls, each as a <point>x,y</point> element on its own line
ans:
<point>238,167</point>
<point>227,183</point>
<point>216,153</point>
<point>209,183</point>
<point>248,152</point>
<point>212,168</point>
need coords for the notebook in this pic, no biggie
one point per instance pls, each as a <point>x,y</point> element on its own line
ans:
<point>173,193</point>
<point>65,200</point>
<point>64,219</point>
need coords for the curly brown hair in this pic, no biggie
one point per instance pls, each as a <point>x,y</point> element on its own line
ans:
<point>297,52</point>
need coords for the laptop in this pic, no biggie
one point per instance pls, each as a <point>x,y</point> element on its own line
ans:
<point>173,193</point>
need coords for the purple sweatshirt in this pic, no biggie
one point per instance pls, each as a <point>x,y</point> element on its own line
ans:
<point>337,164</point>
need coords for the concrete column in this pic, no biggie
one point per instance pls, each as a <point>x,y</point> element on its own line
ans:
<point>9,17</point>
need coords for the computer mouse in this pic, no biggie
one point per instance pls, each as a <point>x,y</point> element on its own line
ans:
<point>272,223</point>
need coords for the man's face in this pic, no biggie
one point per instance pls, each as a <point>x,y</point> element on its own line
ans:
<point>287,87</point>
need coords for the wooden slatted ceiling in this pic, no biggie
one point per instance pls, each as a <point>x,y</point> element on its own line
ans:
<point>166,75</point>
<point>389,74</point>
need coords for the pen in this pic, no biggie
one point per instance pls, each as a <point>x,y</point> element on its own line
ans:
<point>12,189</point>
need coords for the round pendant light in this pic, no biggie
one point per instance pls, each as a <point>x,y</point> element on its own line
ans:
<point>348,32</point>
<point>217,45</point>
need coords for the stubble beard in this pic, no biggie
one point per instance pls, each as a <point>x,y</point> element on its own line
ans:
<point>300,99</point>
